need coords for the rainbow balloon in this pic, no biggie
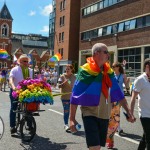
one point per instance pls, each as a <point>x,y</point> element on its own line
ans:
<point>3,54</point>
<point>56,57</point>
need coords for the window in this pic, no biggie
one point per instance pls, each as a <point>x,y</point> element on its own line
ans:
<point>94,33</point>
<point>101,5</point>
<point>132,24</point>
<point>147,20</point>
<point>100,31</point>
<point>121,27</point>
<point>61,51</point>
<point>110,2</point>
<point>127,25</point>
<point>133,58</point>
<point>139,23</point>
<point>62,36</point>
<point>64,4</point>
<point>4,30</point>
<point>62,20</point>
<point>95,7</point>
<point>114,28</point>
<point>104,30</point>
<point>59,37</point>
<point>147,52</point>
<point>106,3</point>
<point>88,10</point>
<point>61,5</point>
<point>109,28</point>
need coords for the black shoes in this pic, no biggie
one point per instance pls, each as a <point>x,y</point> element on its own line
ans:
<point>13,130</point>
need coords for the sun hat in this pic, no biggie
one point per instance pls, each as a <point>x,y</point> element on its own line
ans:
<point>23,56</point>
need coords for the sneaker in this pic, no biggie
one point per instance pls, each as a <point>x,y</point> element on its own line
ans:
<point>66,127</point>
<point>110,145</point>
<point>13,130</point>
<point>120,131</point>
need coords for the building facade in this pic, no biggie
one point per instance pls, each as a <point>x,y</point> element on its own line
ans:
<point>123,25</point>
<point>67,32</point>
<point>52,26</point>
<point>34,44</point>
<point>5,34</point>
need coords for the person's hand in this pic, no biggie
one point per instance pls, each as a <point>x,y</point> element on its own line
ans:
<point>130,118</point>
<point>73,126</point>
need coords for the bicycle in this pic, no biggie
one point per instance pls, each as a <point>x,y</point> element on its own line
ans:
<point>25,120</point>
<point>1,127</point>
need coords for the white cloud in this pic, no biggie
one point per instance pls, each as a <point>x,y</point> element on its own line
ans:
<point>32,13</point>
<point>45,29</point>
<point>46,10</point>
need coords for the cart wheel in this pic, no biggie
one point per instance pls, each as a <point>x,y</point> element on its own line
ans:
<point>1,127</point>
<point>27,128</point>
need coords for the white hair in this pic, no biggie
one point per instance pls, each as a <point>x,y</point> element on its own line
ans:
<point>98,47</point>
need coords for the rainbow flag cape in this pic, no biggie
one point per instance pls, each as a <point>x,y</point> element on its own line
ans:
<point>88,85</point>
<point>3,54</point>
<point>56,57</point>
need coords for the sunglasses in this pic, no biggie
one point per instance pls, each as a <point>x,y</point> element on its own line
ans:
<point>25,61</point>
<point>105,52</point>
<point>114,66</point>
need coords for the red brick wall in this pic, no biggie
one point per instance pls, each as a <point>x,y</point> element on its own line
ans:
<point>122,11</point>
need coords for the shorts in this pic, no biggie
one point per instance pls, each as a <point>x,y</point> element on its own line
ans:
<point>95,130</point>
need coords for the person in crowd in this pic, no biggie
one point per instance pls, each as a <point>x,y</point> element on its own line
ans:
<point>114,122</point>
<point>55,75</point>
<point>3,80</point>
<point>17,74</point>
<point>142,90</point>
<point>94,87</point>
<point>66,82</point>
<point>47,75</point>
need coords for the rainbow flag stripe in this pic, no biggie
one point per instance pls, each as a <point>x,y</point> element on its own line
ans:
<point>88,87</point>
<point>3,54</point>
<point>56,57</point>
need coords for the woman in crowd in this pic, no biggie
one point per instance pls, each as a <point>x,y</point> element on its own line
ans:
<point>66,82</point>
<point>114,123</point>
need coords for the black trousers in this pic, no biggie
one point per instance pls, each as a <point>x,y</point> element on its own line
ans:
<point>145,141</point>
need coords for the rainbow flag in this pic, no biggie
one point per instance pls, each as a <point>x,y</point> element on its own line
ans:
<point>3,54</point>
<point>56,57</point>
<point>89,85</point>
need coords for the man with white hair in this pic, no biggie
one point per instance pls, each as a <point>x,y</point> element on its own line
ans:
<point>95,89</point>
<point>17,74</point>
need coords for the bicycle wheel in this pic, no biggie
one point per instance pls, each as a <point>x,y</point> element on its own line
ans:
<point>27,128</point>
<point>1,127</point>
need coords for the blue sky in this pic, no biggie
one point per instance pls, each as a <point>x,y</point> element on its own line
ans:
<point>29,16</point>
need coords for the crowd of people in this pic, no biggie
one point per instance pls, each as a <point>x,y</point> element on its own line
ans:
<point>98,89</point>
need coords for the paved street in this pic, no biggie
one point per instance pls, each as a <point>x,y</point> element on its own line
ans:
<point>51,135</point>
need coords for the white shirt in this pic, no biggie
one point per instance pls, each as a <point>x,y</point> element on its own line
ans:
<point>16,73</point>
<point>142,85</point>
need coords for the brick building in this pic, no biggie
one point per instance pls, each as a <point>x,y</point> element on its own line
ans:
<point>66,41</point>
<point>123,25</point>
<point>34,44</point>
<point>5,33</point>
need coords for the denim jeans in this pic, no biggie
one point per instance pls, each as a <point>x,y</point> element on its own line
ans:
<point>145,141</point>
<point>13,106</point>
<point>66,107</point>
